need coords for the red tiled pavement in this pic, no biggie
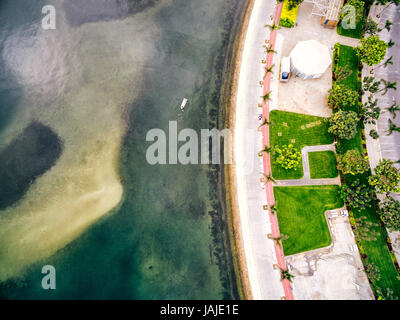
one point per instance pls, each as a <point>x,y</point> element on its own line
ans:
<point>267,161</point>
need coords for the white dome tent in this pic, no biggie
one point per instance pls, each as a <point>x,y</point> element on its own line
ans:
<point>310,59</point>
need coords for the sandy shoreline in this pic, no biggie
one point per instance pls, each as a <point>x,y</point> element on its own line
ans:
<point>231,185</point>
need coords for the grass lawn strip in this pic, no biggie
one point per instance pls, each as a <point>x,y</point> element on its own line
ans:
<point>322,164</point>
<point>301,216</point>
<point>352,33</point>
<point>375,251</point>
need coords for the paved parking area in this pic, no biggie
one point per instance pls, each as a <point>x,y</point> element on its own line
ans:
<point>387,146</point>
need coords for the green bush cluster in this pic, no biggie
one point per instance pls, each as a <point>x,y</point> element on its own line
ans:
<point>390,213</point>
<point>386,178</point>
<point>294,3</point>
<point>340,96</point>
<point>286,22</point>
<point>356,194</point>
<point>372,50</point>
<point>343,124</point>
<point>359,10</point>
<point>288,157</point>
<point>374,134</point>
<point>352,162</point>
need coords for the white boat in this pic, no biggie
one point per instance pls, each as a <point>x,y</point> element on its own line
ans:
<point>184,103</point>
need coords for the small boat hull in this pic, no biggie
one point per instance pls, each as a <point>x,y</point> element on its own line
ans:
<point>184,103</point>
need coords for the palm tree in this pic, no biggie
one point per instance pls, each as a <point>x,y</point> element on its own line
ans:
<point>265,122</point>
<point>278,240</point>
<point>268,178</point>
<point>272,27</point>
<point>388,61</point>
<point>393,109</point>
<point>391,43</point>
<point>342,73</point>
<point>392,127</point>
<point>269,70</point>
<point>266,150</point>
<point>369,84</point>
<point>270,50</point>
<point>285,275</point>
<point>273,208</point>
<point>267,96</point>
<point>388,25</point>
<point>388,85</point>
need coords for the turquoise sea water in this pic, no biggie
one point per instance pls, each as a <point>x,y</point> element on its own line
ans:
<point>110,72</point>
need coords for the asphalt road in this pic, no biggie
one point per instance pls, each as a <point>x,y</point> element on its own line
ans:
<point>390,144</point>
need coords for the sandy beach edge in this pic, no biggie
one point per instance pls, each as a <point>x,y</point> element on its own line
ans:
<point>233,215</point>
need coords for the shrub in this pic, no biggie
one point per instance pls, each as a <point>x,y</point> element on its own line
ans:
<point>342,73</point>
<point>340,96</point>
<point>372,272</point>
<point>370,27</point>
<point>361,249</point>
<point>293,3</point>
<point>343,124</point>
<point>390,213</point>
<point>359,10</point>
<point>285,22</point>
<point>288,157</point>
<point>352,162</point>
<point>372,50</point>
<point>288,15</point>
<point>374,134</point>
<point>370,111</point>
<point>386,178</point>
<point>356,194</point>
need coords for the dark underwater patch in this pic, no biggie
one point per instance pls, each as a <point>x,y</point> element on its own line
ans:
<point>79,12</point>
<point>27,157</point>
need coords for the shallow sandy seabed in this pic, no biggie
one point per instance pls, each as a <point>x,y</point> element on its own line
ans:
<point>79,82</point>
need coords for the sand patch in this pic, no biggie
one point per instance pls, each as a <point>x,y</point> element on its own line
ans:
<point>92,77</point>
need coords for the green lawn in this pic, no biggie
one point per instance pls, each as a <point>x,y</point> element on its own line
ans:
<point>348,57</point>
<point>301,216</point>
<point>376,250</point>
<point>352,33</point>
<point>300,130</point>
<point>322,164</point>
<point>379,254</point>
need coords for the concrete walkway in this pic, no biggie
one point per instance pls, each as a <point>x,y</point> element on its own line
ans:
<point>255,221</point>
<point>268,87</point>
<point>306,180</point>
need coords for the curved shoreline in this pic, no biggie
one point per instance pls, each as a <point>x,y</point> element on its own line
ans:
<point>234,225</point>
<point>257,265</point>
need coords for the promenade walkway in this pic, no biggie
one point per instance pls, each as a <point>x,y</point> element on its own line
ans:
<point>267,161</point>
<point>255,222</point>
